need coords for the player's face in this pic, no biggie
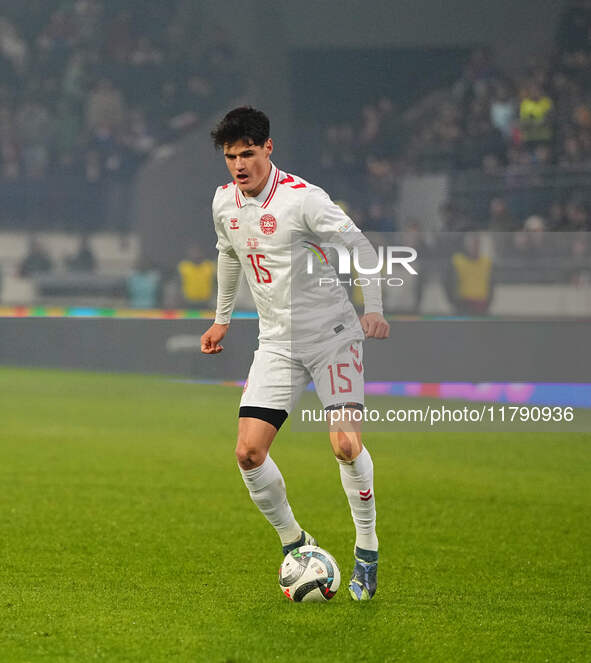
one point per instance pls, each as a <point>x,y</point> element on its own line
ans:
<point>249,165</point>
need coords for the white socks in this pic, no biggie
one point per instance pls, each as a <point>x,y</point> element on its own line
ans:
<point>267,490</point>
<point>357,480</point>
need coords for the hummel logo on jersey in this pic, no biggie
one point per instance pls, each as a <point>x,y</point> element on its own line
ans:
<point>234,224</point>
<point>288,179</point>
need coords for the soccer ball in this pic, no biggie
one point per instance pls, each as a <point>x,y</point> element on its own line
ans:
<point>309,573</point>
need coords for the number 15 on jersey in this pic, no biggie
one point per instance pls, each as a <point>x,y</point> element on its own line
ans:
<point>262,273</point>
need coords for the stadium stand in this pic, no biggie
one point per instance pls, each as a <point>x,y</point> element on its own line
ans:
<point>89,89</point>
<point>522,135</point>
<point>106,285</point>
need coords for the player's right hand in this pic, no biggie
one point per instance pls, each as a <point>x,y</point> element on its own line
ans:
<point>210,341</point>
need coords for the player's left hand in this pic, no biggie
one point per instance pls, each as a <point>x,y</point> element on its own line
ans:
<point>375,325</point>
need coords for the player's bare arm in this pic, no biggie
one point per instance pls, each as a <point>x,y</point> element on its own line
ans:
<point>375,325</point>
<point>210,341</point>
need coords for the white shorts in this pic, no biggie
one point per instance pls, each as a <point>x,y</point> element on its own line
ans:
<point>277,377</point>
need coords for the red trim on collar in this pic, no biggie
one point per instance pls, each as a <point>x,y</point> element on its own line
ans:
<point>273,188</point>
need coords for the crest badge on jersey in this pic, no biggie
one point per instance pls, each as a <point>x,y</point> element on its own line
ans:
<point>268,224</point>
<point>234,224</point>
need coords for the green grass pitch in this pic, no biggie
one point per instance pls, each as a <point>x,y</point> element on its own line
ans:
<point>126,534</point>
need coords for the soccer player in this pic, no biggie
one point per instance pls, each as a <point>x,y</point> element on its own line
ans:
<point>256,218</point>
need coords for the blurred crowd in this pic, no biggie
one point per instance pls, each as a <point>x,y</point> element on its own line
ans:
<point>89,88</point>
<point>507,127</point>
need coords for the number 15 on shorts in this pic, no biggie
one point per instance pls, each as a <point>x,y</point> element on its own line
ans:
<point>346,376</point>
<point>343,382</point>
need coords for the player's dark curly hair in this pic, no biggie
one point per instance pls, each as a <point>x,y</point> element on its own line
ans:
<point>243,123</point>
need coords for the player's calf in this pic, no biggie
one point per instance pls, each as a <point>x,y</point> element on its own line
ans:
<point>267,490</point>
<point>357,481</point>
<point>263,478</point>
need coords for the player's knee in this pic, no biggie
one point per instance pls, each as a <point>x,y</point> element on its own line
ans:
<point>249,455</point>
<point>345,448</point>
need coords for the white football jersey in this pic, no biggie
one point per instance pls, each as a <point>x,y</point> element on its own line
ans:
<point>289,218</point>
